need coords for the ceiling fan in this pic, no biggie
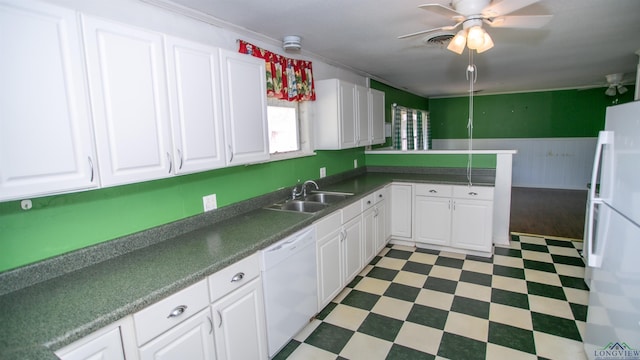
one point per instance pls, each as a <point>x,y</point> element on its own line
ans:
<point>471,14</point>
<point>615,85</point>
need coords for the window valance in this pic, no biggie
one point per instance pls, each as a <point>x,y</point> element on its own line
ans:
<point>287,79</point>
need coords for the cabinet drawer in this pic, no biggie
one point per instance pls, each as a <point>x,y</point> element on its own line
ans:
<point>328,224</point>
<point>436,190</point>
<point>167,313</point>
<point>473,192</point>
<point>368,201</point>
<point>233,276</point>
<point>380,195</point>
<point>351,211</point>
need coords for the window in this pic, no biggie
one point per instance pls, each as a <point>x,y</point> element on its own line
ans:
<point>284,133</point>
<point>411,129</point>
<point>288,134</point>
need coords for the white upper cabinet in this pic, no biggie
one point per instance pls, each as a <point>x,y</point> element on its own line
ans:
<point>46,145</point>
<point>335,112</point>
<point>244,107</point>
<point>193,77</point>
<point>376,116</point>
<point>362,116</point>
<point>347,115</point>
<point>129,99</point>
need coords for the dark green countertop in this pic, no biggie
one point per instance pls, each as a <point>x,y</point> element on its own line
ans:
<point>44,317</point>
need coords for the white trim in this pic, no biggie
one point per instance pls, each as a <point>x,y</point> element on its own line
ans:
<point>438,152</point>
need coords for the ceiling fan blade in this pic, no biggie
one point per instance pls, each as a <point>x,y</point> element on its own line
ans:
<point>441,10</point>
<point>505,7</point>
<point>522,22</point>
<point>425,31</point>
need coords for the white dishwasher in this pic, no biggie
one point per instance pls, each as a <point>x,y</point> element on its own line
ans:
<point>289,282</point>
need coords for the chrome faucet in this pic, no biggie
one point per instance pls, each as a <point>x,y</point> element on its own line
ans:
<point>304,187</point>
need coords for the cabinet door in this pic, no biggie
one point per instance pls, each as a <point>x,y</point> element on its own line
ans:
<point>382,226</point>
<point>196,109</point>
<point>129,101</point>
<point>239,328</point>
<point>369,233</point>
<point>244,107</point>
<point>330,267</point>
<point>472,224</point>
<point>352,247</point>
<point>433,220</point>
<point>348,115</point>
<point>102,345</point>
<point>45,132</point>
<point>191,339</point>
<point>362,116</point>
<point>401,200</point>
<point>376,116</point>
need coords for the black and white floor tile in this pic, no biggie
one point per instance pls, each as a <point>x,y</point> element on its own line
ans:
<point>529,301</point>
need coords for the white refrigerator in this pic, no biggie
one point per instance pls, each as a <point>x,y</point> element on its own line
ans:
<point>612,239</point>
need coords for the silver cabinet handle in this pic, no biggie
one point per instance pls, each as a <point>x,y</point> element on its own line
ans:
<point>179,310</point>
<point>220,316</point>
<point>433,191</point>
<point>449,205</point>
<point>237,277</point>
<point>91,166</point>
<point>180,157</point>
<point>473,193</point>
<point>170,162</point>
<point>231,151</point>
<point>210,324</point>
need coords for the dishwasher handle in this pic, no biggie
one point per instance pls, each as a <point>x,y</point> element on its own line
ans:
<point>287,247</point>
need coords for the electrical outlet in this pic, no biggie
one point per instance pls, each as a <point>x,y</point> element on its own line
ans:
<point>355,163</point>
<point>26,204</point>
<point>323,172</point>
<point>210,202</point>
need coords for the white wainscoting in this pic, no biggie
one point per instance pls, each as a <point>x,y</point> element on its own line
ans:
<point>557,163</point>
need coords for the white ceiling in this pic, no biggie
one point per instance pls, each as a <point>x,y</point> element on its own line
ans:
<point>585,40</point>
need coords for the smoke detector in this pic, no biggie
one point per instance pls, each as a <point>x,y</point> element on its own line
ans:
<point>291,43</point>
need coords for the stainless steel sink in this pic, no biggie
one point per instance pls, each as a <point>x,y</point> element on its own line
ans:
<point>327,197</point>
<point>299,206</point>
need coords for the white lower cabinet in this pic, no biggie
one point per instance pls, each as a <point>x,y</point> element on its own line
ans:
<point>239,324</point>
<point>375,224</point>
<point>113,342</point>
<point>330,258</point>
<point>191,339</point>
<point>353,257</point>
<point>456,217</point>
<point>401,215</point>
<point>339,251</point>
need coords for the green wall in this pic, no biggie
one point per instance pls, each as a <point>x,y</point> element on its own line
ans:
<point>565,113</point>
<point>487,161</point>
<point>63,223</point>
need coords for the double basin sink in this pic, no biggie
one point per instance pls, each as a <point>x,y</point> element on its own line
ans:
<point>312,202</point>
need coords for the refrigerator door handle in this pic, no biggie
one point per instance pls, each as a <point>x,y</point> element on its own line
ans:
<point>604,138</point>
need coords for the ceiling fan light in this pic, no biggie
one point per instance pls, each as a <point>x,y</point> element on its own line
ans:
<point>458,42</point>
<point>475,37</point>
<point>611,91</point>
<point>622,89</point>
<point>488,43</point>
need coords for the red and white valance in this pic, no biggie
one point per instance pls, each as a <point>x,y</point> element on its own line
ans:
<point>287,79</point>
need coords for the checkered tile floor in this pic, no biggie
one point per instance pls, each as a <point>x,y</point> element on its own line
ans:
<point>527,302</point>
